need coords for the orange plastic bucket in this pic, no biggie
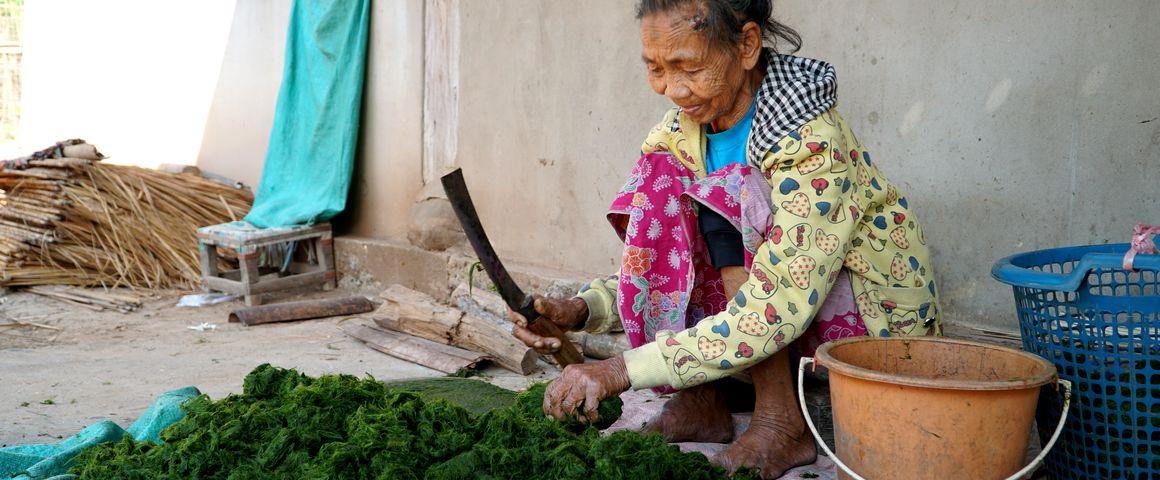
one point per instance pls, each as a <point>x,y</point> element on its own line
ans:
<point>931,408</point>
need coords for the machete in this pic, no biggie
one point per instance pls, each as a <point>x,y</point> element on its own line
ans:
<point>515,298</point>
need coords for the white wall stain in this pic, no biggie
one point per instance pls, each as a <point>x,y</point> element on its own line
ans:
<point>998,95</point>
<point>1095,80</point>
<point>911,119</point>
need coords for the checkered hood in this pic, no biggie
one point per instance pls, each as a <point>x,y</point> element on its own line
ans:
<point>795,91</point>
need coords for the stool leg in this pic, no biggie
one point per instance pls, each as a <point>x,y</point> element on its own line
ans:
<point>209,262</point>
<point>248,266</point>
<point>324,248</point>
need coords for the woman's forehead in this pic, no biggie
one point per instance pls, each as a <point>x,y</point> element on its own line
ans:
<point>677,21</point>
<point>672,39</point>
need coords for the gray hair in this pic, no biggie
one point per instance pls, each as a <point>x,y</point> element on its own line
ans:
<point>722,21</point>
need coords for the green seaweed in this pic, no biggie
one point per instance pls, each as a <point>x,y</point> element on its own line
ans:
<point>289,425</point>
<point>476,396</point>
<point>532,403</point>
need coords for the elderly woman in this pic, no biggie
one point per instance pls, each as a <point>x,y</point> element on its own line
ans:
<point>754,221</point>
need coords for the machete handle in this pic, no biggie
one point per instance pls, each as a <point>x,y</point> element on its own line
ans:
<point>567,355</point>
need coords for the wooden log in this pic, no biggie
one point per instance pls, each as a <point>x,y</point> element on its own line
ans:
<point>304,310</point>
<point>30,217</point>
<point>492,306</point>
<point>480,334</point>
<point>28,228</point>
<point>42,197</point>
<point>31,205</point>
<point>601,346</point>
<point>85,295</point>
<point>63,162</point>
<point>416,313</point>
<point>71,300</point>
<point>116,297</point>
<point>69,297</point>
<point>21,183</point>
<point>11,249</point>
<point>437,356</point>
<point>481,303</point>
<point>41,173</point>
<point>14,235</point>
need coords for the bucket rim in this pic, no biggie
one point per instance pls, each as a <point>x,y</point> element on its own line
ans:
<point>824,358</point>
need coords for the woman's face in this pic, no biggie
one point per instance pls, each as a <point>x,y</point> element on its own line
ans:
<point>704,79</point>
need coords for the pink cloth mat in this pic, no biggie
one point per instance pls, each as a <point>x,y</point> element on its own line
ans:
<point>640,407</point>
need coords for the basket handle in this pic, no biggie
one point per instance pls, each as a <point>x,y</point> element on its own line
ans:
<point>837,461</point>
<point>1007,272</point>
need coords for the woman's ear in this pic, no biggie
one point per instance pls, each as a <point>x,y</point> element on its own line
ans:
<point>750,45</point>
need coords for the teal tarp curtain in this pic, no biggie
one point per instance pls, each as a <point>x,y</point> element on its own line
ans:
<point>310,158</point>
<point>37,462</point>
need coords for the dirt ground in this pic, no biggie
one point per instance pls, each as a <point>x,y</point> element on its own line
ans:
<point>109,365</point>
<point>90,366</point>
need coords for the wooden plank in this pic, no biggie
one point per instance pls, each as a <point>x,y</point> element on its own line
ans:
<point>324,250</point>
<point>208,255</point>
<point>268,238</point>
<point>272,285</point>
<point>444,358</point>
<point>441,92</point>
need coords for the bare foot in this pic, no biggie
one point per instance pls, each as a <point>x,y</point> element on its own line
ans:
<point>697,414</point>
<point>777,439</point>
<point>769,449</point>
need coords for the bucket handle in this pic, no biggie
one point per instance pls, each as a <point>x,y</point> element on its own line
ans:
<point>1016,476</point>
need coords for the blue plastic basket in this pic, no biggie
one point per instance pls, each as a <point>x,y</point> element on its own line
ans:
<point>1100,325</point>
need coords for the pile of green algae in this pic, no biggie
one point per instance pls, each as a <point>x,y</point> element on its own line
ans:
<point>289,425</point>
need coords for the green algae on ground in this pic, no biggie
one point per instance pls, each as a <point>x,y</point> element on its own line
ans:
<point>288,425</point>
<point>478,397</point>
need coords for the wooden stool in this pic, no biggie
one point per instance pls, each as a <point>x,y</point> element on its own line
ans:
<point>247,240</point>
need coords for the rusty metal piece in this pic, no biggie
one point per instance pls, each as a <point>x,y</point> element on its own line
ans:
<point>304,310</point>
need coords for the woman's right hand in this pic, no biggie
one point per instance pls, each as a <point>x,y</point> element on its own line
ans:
<point>565,313</point>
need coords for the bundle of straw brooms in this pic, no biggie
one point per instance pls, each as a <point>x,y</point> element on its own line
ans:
<point>66,218</point>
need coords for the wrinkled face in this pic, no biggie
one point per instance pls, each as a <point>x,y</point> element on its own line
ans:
<point>702,78</point>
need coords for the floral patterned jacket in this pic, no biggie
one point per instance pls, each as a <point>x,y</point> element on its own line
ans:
<point>833,209</point>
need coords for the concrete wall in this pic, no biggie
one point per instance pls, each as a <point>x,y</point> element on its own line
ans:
<point>242,111</point>
<point>134,77</point>
<point>388,167</point>
<point>1013,126</point>
<point>388,174</point>
<point>1010,125</point>
<point>551,117</point>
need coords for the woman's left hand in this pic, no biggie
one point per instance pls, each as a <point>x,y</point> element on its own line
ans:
<point>584,386</point>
